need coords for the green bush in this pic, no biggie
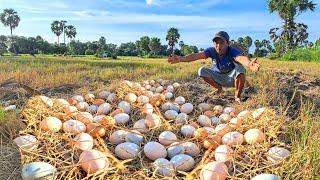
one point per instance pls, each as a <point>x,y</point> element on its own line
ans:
<point>303,54</point>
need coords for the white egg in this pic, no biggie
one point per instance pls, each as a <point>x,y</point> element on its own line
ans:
<point>152,120</point>
<point>159,89</point>
<point>148,87</point>
<point>223,153</point>
<point>228,110</point>
<point>153,89</point>
<point>152,82</point>
<point>182,162</point>
<point>131,97</point>
<point>276,154</point>
<point>203,107</point>
<point>104,108</point>
<point>26,142</point>
<point>112,97</point>
<point>92,109</point>
<point>180,100</point>
<point>191,148</point>
<point>98,118</point>
<point>143,99</point>
<point>89,97</point>
<point>222,129</point>
<point>127,150</point>
<point>235,122</point>
<point>51,124</point>
<point>154,150</point>
<point>214,170</point>
<point>134,137</point>
<point>10,108</point>
<point>136,85</point>
<point>243,114</point>
<point>225,118</point>
<point>166,106</point>
<point>70,110</point>
<point>175,149</point>
<point>104,94</point>
<point>253,136</point>
<point>204,121</point>
<point>181,119</point>
<point>171,114</point>
<point>73,126</point>
<point>84,117</point>
<point>215,121</point>
<point>218,109</point>
<point>187,130</point>
<point>38,170</point>
<point>210,130</point>
<point>93,161</point>
<point>46,100</point>
<point>147,108</point>
<point>168,95</point>
<point>78,98</point>
<point>83,141</point>
<point>125,106</point>
<point>62,102</point>
<point>167,137</point>
<point>266,177</point>
<point>256,114</point>
<point>163,167</point>
<point>118,137</point>
<point>232,138</point>
<point>122,118</point>
<point>186,108</point>
<point>176,85</point>
<point>128,83</point>
<point>141,126</point>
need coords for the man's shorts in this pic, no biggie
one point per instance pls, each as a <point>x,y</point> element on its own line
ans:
<point>225,80</point>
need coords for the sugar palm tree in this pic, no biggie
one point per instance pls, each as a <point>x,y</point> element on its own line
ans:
<point>172,37</point>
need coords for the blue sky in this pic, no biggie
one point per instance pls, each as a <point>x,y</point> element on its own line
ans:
<point>127,20</point>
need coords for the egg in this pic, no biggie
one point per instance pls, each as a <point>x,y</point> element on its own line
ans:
<point>128,83</point>
<point>153,89</point>
<point>26,142</point>
<point>46,100</point>
<point>131,97</point>
<point>147,108</point>
<point>222,129</point>
<point>163,167</point>
<point>180,100</point>
<point>266,177</point>
<point>78,98</point>
<point>136,85</point>
<point>115,112</point>
<point>122,118</point>
<point>176,85</point>
<point>73,126</point>
<point>89,97</point>
<point>108,122</point>
<point>215,121</point>
<point>96,130</point>
<point>171,114</point>
<point>152,120</point>
<point>61,102</point>
<point>214,170</point>
<point>209,113</point>
<point>152,82</point>
<point>256,114</point>
<point>92,161</point>
<point>104,108</point>
<point>143,99</point>
<point>243,114</point>
<point>235,122</point>
<point>167,137</point>
<point>127,150</point>
<point>134,137</point>
<point>191,148</point>
<point>168,95</point>
<point>200,134</point>
<point>103,94</point>
<point>187,130</point>
<point>92,109</point>
<point>212,142</point>
<point>175,149</point>
<point>148,87</point>
<point>204,121</point>
<point>159,89</point>
<point>70,109</point>
<point>51,124</point>
<point>232,138</point>
<point>98,102</point>
<point>166,106</point>
<point>112,98</point>
<point>225,118</point>
<point>125,106</point>
<point>186,108</point>
<point>253,136</point>
<point>218,109</point>
<point>83,141</point>
<point>98,118</point>
<point>154,150</point>
<point>72,102</point>
<point>182,162</point>
<point>141,126</point>
<point>203,107</point>
<point>84,117</point>
<point>170,88</point>
<point>276,154</point>
<point>210,130</point>
<point>181,118</point>
<point>228,110</point>
<point>118,137</point>
<point>223,153</point>
<point>38,170</point>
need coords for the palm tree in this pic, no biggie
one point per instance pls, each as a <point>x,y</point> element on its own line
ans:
<point>154,45</point>
<point>172,37</point>
<point>70,31</point>
<point>63,24</point>
<point>56,28</point>
<point>10,18</point>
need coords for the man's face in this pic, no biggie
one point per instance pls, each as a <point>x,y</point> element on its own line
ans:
<point>221,46</point>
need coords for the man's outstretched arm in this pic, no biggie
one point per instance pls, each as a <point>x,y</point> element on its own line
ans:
<point>189,58</point>
<point>245,61</point>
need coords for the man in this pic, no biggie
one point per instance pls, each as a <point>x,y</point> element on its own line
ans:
<point>228,70</point>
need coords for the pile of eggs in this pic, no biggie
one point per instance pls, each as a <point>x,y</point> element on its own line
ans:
<point>199,127</point>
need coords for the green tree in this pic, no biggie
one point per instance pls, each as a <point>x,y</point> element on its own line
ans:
<point>143,45</point>
<point>10,18</point>
<point>172,37</point>
<point>248,42</point>
<point>70,31</point>
<point>291,34</point>
<point>154,45</point>
<point>57,28</point>
<point>63,26</point>
<point>3,44</point>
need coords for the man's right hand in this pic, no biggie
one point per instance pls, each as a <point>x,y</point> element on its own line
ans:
<point>173,59</point>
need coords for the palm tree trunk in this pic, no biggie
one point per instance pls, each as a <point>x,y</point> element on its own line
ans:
<point>64,37</point>
<point>58,41</point>
<point>11,30</point>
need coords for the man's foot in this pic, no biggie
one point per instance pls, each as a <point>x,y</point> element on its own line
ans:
<point>219,93</point>
<point>237,100</point>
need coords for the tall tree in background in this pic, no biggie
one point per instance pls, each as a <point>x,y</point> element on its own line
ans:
<point>154,45</point>
<point>291,34</point>
<point>63,26</point>
<point>172,37</point>
<point>70,31</point>
<point>10,18</point>
<point>143,45</point>
<point>56,28</point>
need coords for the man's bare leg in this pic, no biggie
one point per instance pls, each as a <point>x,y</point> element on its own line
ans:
<point>239,84</point>
<point>214,84</point>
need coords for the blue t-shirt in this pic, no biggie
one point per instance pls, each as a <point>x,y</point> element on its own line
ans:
<point>226,64</point>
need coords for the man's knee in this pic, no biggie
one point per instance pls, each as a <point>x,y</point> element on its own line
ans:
<point>241,76</point>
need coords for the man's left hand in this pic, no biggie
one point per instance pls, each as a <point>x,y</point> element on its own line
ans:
<point>254,65</point>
